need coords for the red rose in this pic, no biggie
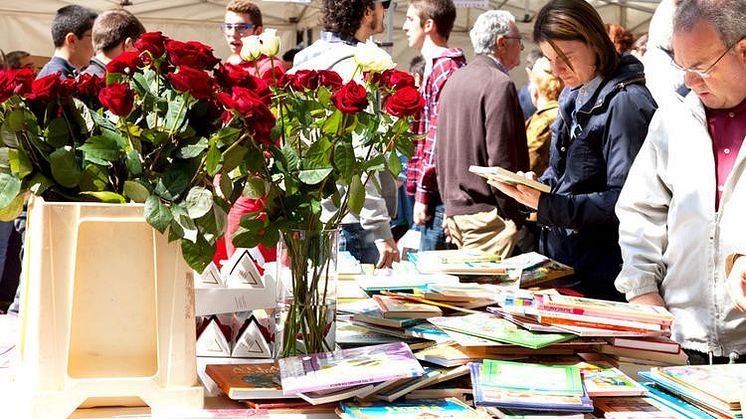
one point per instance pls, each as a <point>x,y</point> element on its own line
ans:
<point>191,54</point>
<point>118,98</point>
<point>396,79</point>
<point>125,63</point>
<point>151,44</point>
<point>372,78</point>
<point>406,101</point>
<point>284,80</point>
<point>350,98</point>
<point>7,85</point>
<point>23,78</point>
<point>88,85</point>
<point>231,75</point>
<point>198,83</point>
<point>306,79</point>
<point>252,108</point>
<point>330,79</point>
<point>46,89</point>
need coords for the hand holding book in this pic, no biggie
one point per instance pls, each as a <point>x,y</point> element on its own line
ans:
<point>520,186</point>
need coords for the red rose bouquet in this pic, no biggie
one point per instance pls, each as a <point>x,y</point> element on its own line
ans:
<point>158,130</point>
<point>331,139</point>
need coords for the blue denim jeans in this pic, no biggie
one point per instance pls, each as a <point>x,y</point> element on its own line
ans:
<point>360,243</point>
<point>433,237</point>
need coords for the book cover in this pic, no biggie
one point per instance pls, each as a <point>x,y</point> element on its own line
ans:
<point>499,174</point>
<point>650,344</point>
<point>395,308</point>
<point>449,408</point>
<point>349,334</point>
<point>431,376</point>
<point>674,403</point>
<point>377,317</point>
<point>290,406</point>
<point>335,394</point>
<point>247,381</point>
<point>605,308</point>
<point>586,320</point>
<point>536,378</point>
<point>600,381</point>
<point>487,326</point>
<point>644,355</point>
<point>403,281</point>
<point>499,397</point>
<point>348,367</point>
<point>458,262</point>
<point>720,386</point>
<point>632,407</point>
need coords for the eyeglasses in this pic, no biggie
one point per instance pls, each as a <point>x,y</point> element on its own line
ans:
<point>700,73</point>
<point>237,27</point>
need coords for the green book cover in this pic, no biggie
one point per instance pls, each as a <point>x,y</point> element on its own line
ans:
<point>534,378</point>
<point>490,327</point>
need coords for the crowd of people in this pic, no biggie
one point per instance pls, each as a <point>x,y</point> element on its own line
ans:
<point>639,142</point>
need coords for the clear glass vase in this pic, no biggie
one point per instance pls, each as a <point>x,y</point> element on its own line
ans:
<point>307,292</point>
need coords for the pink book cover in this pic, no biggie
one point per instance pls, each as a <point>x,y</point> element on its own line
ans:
<point>348,367</point>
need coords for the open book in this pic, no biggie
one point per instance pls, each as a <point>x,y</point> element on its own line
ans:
<point>506,176</point>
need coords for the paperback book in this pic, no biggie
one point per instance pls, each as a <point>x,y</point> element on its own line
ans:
<point>449,408</point>
<point>499,174</point>
<point>395,308</point>
<point>348,367</point>
<point>608,382</point>
<point>247,381</point>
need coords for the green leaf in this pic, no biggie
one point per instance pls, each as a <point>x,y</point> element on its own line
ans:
<point>100,150</point>
<point>157,214</point>
<point>394,164</point>
<point>270,236</point>
<point>198,202</point>
<point>133,162</point>
<point>106,196</point>
<point>344,159</point>
<point>405,146</point>
<point>331,125</point>
<point>212,161</point>
<point>245,238</point>
<point>376,164</point>
<point>226,185</point>
<point>9,188</point>
<point>94,178</point>
<point>254,188</point>
<point>176,115</point>
<point>234,156</point>
<point>313,176</point>
<point>291,157</point>
<point>12,211</point>
<point>103,122</point>
<point>135,191</point>
<point>20,164</point>
<point>58,132</point>
<point>173,183</point>
<point>357,195</point>
<point>65,167</point>
<point>181,217</point>
<point>225,136</point>
<point>191,151</point>
<point>318,155</point>
<point>212,225</point>
<point>38,184</point>
<point>197,254</point>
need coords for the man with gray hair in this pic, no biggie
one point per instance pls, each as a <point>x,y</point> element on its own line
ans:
<point>482,124</point>
<point>681,208</point>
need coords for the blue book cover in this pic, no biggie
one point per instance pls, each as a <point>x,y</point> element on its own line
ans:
<point>670,400</point>
<point>448,408</point>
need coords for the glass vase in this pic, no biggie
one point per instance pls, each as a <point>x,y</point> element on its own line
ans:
<point>307,292</point>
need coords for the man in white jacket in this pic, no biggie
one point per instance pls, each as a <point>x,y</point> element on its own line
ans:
<point>682,208</point>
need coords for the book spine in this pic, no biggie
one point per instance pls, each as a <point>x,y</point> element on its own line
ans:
<point>591,324</point>
<point>648,345</point>
<point>600,313</point>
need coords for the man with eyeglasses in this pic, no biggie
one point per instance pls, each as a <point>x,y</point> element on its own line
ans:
<point>482,124</point>
<point>73,46</point>
<point>243,18</point>
<point>346,23</point>
<point>682,208</point>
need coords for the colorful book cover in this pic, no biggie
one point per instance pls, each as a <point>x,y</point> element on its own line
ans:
<point>247,381</point>
<point>521,399</point>
<point>592,306</point>
<point>353,335</point>
<point>448,408</point>
<point>536,378</point>
<point>600,381</point>
<point>632,407</point>
<point>400,309</point>
<point>458,262</point>
<point>377,317</point>
<point>725,382</point>
<point>488,326</point>
<point>674,403</point>
<point>348,367</point>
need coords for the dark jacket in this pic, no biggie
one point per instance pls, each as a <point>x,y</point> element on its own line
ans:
<point>479,123</point>
<point>586,175</point>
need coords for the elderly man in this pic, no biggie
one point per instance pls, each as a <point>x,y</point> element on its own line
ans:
<point>681,210</point>
<point>482,124</point>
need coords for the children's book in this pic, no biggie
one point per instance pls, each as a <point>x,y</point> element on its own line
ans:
<point>499,174</point>
<point>395,308</point>
<point>449,408</point>
<point>488,326</point>
<point>536,378</point>
<point>632,407</point>
<point>665,345</point>
<point>335,394</point>
<point>457,262</point>
<point>247,381</point>
<point>505,413</point>
<point>378,317</point>
<point>605,308</point>
<point>348,367</point>
<point>349,334</point>
<point>432,376</point>
<point>403,281</point>
<point>607,382</point>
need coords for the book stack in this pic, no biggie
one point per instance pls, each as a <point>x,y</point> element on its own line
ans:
<point>535,387</point>
<point>629,352</point>
<point>588,316</point>
<point>457,262</point>
<point>714,390</point>
<point>338,375</point>
<point>448,408</point>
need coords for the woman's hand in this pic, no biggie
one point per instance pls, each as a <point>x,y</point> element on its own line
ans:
<point>523,194</point>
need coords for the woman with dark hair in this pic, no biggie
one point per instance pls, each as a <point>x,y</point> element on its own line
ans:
<point>603,119</point>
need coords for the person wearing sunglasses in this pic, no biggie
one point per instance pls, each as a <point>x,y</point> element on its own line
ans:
<point>603,117</point>
<point>682,210</point>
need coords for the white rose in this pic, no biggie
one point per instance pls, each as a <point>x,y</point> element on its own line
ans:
<point>252,48</point>
<point>270,42</point>
<point>372,58</point>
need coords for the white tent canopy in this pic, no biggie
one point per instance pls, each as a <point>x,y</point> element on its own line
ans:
<point>26,24</point>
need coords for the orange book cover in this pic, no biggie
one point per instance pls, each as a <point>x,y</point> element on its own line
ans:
<point>247,381</point>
